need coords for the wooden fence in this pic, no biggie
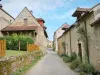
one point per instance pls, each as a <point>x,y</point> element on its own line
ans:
<point>32,47</point>
<point>2,48</point>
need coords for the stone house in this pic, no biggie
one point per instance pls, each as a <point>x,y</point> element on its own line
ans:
<point>50,44</point>
<point>25,23</point>
<point>70,40</point>
<point>59,33</point>
<point>88,20</point>
<point>83,37</point>
<point>5,19</point>
<point>60,41</point>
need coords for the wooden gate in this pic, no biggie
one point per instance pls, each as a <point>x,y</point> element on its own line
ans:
<point>32,47</point>
<point>2,48</point>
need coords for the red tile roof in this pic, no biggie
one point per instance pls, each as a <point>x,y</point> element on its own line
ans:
<point>40,19</point>
<point>19,28</point>
<point>65,26</point>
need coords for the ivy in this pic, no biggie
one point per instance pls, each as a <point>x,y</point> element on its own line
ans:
<point>82,37</point>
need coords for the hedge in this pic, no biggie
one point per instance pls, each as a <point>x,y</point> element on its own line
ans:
<point>12,41</point>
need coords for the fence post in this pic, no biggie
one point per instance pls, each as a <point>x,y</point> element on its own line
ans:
<point>2,48</point>
<point>19,45</point>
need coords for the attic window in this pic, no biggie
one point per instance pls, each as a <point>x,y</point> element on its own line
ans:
<point>10,21</point>
<point>25,21</point>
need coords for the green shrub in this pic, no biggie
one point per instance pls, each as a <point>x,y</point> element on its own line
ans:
<point>2,38</point>
<point>87,68</point>
<point>13,40</point>
<point>64,55</point>
<point>82,73</point>
<point>75,64</point>
<point>73,56</point>
<point>66,59</point>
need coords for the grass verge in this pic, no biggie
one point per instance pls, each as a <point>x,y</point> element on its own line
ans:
<point>14,53</point>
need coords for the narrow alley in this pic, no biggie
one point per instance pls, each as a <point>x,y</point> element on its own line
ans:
<point>51,64</point>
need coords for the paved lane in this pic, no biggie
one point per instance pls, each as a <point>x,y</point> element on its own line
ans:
<point>51,64</point>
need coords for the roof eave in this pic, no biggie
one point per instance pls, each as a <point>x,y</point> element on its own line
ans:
<point>95,22</point>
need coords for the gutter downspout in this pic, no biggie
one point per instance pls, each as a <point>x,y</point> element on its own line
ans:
<point>87,42</point>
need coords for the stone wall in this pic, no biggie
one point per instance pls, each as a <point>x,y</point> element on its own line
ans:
<point>12,64</point>
<point>67,41</point>
<point>74,43</point>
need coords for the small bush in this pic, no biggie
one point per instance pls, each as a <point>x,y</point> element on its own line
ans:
<point>73,56</point>
<point>87,68</point>
<point>82,73</point>
<point>2,38</point>
<point>64,55</point>
<point>12,42</point>
<point>96,73</point>
<point>75,64</point>
<point>66,59</point>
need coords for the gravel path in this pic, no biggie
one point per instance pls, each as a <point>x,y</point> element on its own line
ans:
<point>51,64</point>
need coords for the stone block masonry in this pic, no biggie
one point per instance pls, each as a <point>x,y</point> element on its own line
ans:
<point>12,64</point>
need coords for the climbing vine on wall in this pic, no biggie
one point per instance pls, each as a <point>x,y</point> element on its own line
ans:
<point>82,36</point>
<point>64,46</point>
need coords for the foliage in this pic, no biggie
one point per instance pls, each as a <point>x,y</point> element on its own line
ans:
<point>82,73</point>
<point>53,45</point>
<point>83,37</point>
<point>73,56</point>
<point>7,65</point>
<point>2,38</point>
<point>75,64</point>
<point>64,46</point>
<point>87,68</point>
<point>66,59</point>
<point>96,73</point>
<point>64,55</point>
<point>13,40</point>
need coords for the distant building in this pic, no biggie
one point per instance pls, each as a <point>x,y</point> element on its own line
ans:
<point>50,44</point>
<point>59,33</point>
<point>5,19</point>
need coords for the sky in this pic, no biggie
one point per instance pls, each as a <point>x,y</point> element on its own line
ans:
<point>54,12</point>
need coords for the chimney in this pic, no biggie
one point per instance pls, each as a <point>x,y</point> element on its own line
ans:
<point>0,6</point>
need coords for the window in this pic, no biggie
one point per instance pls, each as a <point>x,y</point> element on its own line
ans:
<point>10,21</point>
<point>25,21</point>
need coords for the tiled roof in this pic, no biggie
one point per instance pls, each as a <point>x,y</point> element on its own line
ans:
<point>65,26</point>
<point>83,9</point>
<point>19,28</point>
<point>6,13</point>
<point>79,11</point>
<point>40,19</point>
<point>69,28</point>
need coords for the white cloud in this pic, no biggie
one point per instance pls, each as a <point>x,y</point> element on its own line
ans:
<point>38,6</point>
<point>66,15</point>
